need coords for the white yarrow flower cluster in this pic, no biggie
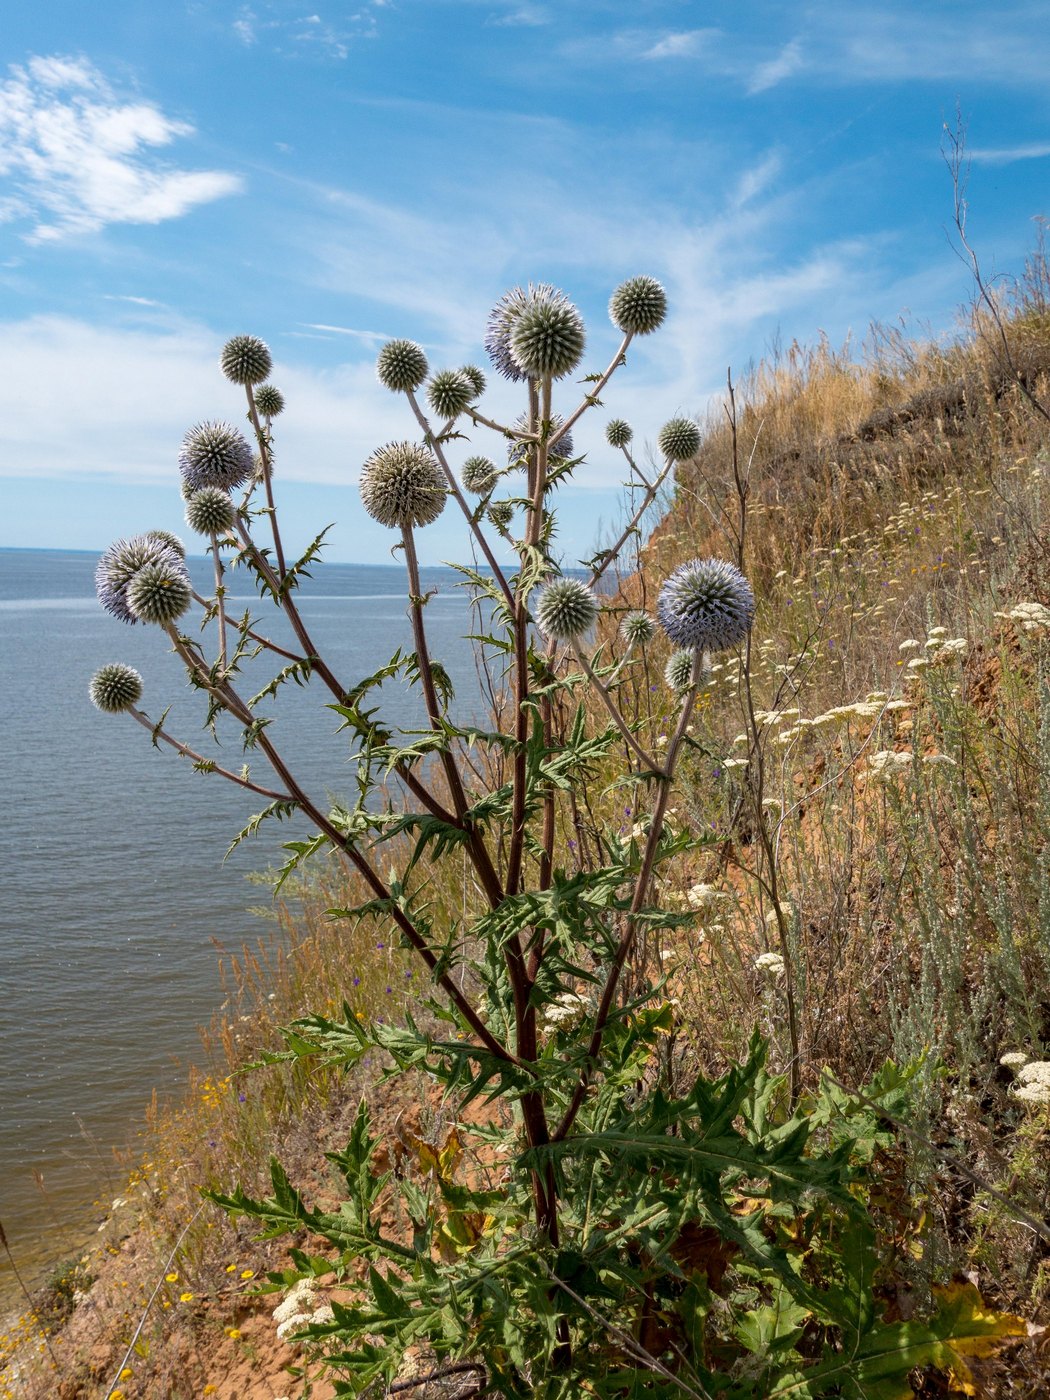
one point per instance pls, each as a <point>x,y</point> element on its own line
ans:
<point>887,765</point>
<point>772,964</point>
<point>567,1010</point>
<point>299,1309</point>
<point>1031,617</point>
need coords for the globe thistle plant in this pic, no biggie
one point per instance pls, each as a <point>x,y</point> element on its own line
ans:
<point>159,593</point>
<point>169,540</point>
<point>246,359</point>
<point>566,609</point>
<point>115,688</point>
<point>637,628</point>
<point>618,432</point>
<point>210,512</point>
<point>269,400</point>
<point>501,513</point>
<point>501,322</point>
<point>558,444</point>
<point>449,392</point>
<point>401,485</point>
<point>678,673</point>
<point>215,454</point>
<point>475,378</point>
<point>401,366</point>
<point>638,306</point>
<point>706,604</point>
<point>479,475</point>
<point>679,439</point>
<point>547,338</point>
<point>121,562</point>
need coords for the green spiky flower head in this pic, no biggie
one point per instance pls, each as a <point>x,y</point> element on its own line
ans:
<point>269,400</point>
<point>115,688</point>
<point>566,609</point>
<point>171,541</point>
<point>501,513</point>
<point>159,594</point>
<point>246,359</point>
<point>679,439</point>
<point>618,432</point>
<point>479,475</point>
<point>547,337</point>
<point>449,392</point>
<point>637,629</point>
<point>678,673</point>
<point>210,512</point>
<point>638,305</point>
<point>476,378</point>
<point>401,366</point>
<point>401,485</point>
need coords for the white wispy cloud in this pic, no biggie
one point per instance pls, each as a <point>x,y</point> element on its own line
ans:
<point>684,44</point>
<point>522,17</point>
<point>75,156</point>
<point>1006,155</point>
<point>788,61</point>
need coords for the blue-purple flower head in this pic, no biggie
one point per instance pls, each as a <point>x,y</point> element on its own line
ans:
<point>122,561</point>
<point>532,331</point>
<point>215,454</point>
<point>706,604</point>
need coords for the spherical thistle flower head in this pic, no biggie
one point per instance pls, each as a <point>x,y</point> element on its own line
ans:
<point>618,432</point>
<point>637,628</point>
<point>172,541</point>
<point>638,305</point>
<point>246,359</point>
<point>115,688</point>
<point>210,512</point>
<point>121,562</point>
<point>401,366</point>
<point>706,604</point>
<point>401,485</point>
<point>558,444</point>
<point>215,454</point>
<point>449,392</point>
<point>159,593</point>
<point>679,439</point>
<point>547,339</point>
<point>501,513</point>
<point>476,379</point>
<point>269,400</point>
<point>479,475</point>
<point>501,322</point>
<point>566,609</point>
<point>678,673</point>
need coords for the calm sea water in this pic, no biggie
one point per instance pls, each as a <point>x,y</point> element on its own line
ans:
<point>111,858</point>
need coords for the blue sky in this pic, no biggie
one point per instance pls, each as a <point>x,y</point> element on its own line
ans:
<point>329,177</point>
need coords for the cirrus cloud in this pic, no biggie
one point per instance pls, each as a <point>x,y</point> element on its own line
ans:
<point>75,156</point>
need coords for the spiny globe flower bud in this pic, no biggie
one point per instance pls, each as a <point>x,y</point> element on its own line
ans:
<point>618,432</point>
<point>558,444</point>
<point>637,628</point>
<point>706,604</point>
<point>678,673</point>
<point>566,609</point>
<point>121,562</point>
<point>638,305</point>
<point>269,400</point>
<point>501,323</point>
<point>501,513</point>
<point>115,688</point>
<point>210,512</point>
<point>159,593</point>
<point>401,366</point>
<point>401,485</point>
<point>476,379</point>
<point>449,392</point>
<point>679,439</point>
<point>246,359</point>
<point>215,454</point>
<point>547,339</point>
<point>479,475</point>
<point>172,541</point>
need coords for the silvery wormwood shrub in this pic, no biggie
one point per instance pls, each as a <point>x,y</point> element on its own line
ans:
<point>639,1231</point>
